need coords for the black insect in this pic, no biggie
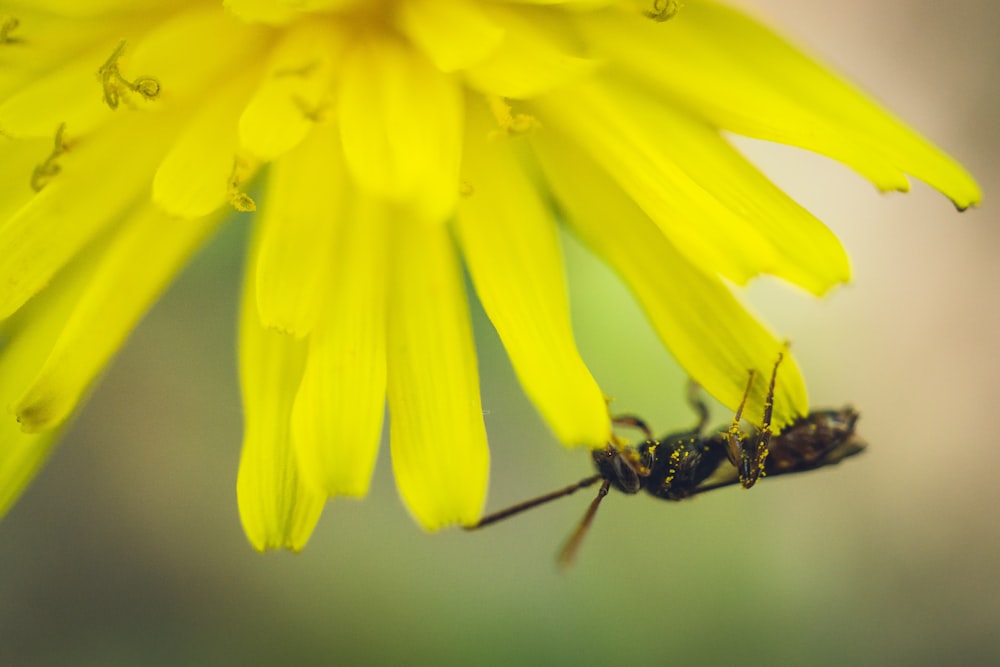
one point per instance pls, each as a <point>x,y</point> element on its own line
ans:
<point>680,465</point>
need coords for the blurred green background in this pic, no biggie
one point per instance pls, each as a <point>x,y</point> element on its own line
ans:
<point>128,548</point>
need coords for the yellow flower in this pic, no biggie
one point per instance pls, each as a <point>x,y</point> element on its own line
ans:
<point>395,140</point>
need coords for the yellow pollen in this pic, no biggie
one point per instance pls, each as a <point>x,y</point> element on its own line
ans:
<point>114,84</point>
<point>45,171</point>
<point>511,124</point>
<point>239,199</point>
<point>7,25</point>
<point>663,10</point>
<point>466,189</point>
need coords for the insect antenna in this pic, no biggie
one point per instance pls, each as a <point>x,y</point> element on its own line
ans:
<point>568,552</point>
<point>534,502</point>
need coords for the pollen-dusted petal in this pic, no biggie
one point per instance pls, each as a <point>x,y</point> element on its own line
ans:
<point>438,439</point>
<point>337,418</point>
<point>743,78</point>
<point>295,92</point>
<point>277,507</point>
<point>511,246</point>
<point>35,241</point>
<point>401,125</point>
<point>714,206</point>
<point>129,275</point>
<point>299,217</point>
<point>196,176</point>
<point>697,317</point>
<point>454,34</point>
<point>539,52</point>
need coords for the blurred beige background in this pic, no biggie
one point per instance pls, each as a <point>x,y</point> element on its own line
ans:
<point>128,549</point>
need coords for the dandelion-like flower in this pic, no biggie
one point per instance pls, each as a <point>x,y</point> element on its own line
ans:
<point>395,140</point>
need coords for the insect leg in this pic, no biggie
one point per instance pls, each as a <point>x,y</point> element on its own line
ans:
<point>634,422</point>
<point>735,435</point>
<point>754,450</point>
<point>534,502</point>
<point>755,465</point>
<point>568,552</point>
<point>698,405</point>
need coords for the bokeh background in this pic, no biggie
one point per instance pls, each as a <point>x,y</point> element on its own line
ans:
<point>128,549</point>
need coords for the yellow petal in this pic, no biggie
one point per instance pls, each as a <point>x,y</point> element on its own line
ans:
<point>438,439</point>
<point>538,53</point>
<point>278,509</point>
<point>696,316</point>
<point>194,54</point>
<point>263,11</point>
<point>27,339</point>
<point>454,34</point>
<point>197,175</point>
<point>17,162</point>
<point>299,218</point>
<point>129,275</point>
<point>98,7</point>
<point>401,125</point>
<point>70,94</point>
<point>279,12</point>
<point>337,419</point>
<point>743,78</point>
<point>35,241</point>
<point>293,95</point>
<point>713,205</point>
<point>22,455</point>
<point>510,243</point>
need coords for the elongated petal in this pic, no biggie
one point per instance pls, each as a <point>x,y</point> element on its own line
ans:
<point>742,77</point>
<point>130,274</point>
<point>66,95</point>
<point>510,243</point>
<point>195,53</point>
<point>278,509</point>
<point>204,168</point>
<point>454,34</point>
<point>279,12</point>
<point>17,161</point>
<point>696,316</point>
<point>337,419</point>
<point>97,7</point>
<point>713,205</point>
<point>438,440</point>
<point>401,125</point>
<point>34,57</point>
<point>299,218</point>
<point>27,340</point>
<point>294,93</point>
<point>35,242</point>
<point>538,53</point>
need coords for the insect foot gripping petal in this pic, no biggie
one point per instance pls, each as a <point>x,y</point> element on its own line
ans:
<point>749,451</point>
